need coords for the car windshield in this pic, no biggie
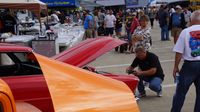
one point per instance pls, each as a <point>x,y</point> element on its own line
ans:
<point>18,63</point>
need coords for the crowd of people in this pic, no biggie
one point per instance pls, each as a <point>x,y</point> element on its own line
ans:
<point>110,23</point>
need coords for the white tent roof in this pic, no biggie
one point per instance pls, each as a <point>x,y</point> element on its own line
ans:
<point>35,6</point>
<point>22,1</point>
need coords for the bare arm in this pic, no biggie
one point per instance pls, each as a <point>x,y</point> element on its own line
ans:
<point>178,57</point>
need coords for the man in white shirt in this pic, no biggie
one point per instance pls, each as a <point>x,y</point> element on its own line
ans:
<point>187,15</point>
<point>55,18</point>
<point>109,23</point>
<point>188,48</point>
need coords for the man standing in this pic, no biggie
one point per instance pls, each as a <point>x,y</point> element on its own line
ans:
<point>88,25</point>
<point>9,23</point>
<point>187,15</point>
<point>163,18</point>
<point>188,48</point>
<point>54,17</point>
<point>177,23</point>
<point>150,70</point>
<point>110,23</point>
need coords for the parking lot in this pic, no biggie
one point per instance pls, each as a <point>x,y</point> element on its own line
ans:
<point>117,62</point>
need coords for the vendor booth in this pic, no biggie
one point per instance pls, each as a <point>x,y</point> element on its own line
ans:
<point>45,42</point>
<point>35,6</point>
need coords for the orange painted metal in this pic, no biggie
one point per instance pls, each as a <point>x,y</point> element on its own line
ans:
<point>6,98</point>
<point>75,89</point>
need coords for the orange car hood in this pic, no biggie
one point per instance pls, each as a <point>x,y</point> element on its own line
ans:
<point>78,90</point>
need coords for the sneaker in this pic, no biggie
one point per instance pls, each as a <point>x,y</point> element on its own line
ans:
<point>140,95</point>
<point>136,98</point>
<point>159,94</point>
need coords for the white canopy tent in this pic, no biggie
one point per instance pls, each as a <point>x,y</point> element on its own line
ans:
<point>35,6</point>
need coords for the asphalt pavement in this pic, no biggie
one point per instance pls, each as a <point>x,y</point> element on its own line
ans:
<point>115,62</point>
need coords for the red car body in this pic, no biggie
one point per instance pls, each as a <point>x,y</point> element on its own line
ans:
<point>32,87</point>
<point>89,50</point>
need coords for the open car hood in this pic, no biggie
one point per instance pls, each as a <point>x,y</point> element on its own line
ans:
<point>88,50</point>
<point>74,89</point>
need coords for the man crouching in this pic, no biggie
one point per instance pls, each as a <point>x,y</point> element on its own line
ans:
<point>150,71</point>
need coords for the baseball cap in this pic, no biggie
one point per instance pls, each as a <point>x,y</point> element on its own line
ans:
<point>58,12</point>
<point>178,7</point>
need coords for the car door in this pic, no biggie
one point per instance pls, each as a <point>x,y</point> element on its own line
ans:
<point>30,88</point>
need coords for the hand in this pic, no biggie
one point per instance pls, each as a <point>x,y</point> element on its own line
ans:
<point>139,37</point>
<point>127,69</point>
<point>138,73</point>
<point>176,69</point>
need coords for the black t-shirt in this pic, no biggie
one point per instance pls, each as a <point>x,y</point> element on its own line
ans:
<point>9,23</point>
<point>118,23</point>
<point>151,61</point>
<point>163,15</point>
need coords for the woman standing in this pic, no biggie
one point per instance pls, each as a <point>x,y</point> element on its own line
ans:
<point>142,34</point>
<point>134,25</point>
<point>118,26</point>
<point>152,15</point>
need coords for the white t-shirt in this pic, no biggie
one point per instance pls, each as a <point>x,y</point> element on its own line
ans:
<point>109,20</point>
<point>188,44</point>
<point>55,18</point>
<point>187,16</point>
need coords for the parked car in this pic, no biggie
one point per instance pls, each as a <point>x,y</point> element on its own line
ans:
<point>21,70</point>
<point>69,95</point>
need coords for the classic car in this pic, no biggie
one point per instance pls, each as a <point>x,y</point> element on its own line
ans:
<point>21,70</point>
<point>69,95</point>
<point>69,88</point>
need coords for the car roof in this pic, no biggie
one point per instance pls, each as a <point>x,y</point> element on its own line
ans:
<point>5,47</point>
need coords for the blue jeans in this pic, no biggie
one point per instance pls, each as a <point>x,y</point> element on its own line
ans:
<point>129,35</point>
<point>190,73</point>
<point>164,33</point>
<point>154,84</point>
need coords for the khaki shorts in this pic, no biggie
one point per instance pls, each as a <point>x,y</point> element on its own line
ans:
<point>88,33</point>
<point>176,32</point>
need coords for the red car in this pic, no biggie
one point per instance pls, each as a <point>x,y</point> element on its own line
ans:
<point>21,71</point>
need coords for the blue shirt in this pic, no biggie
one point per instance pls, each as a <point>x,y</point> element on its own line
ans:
<point>88,18</point>
<point>176,20</point>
